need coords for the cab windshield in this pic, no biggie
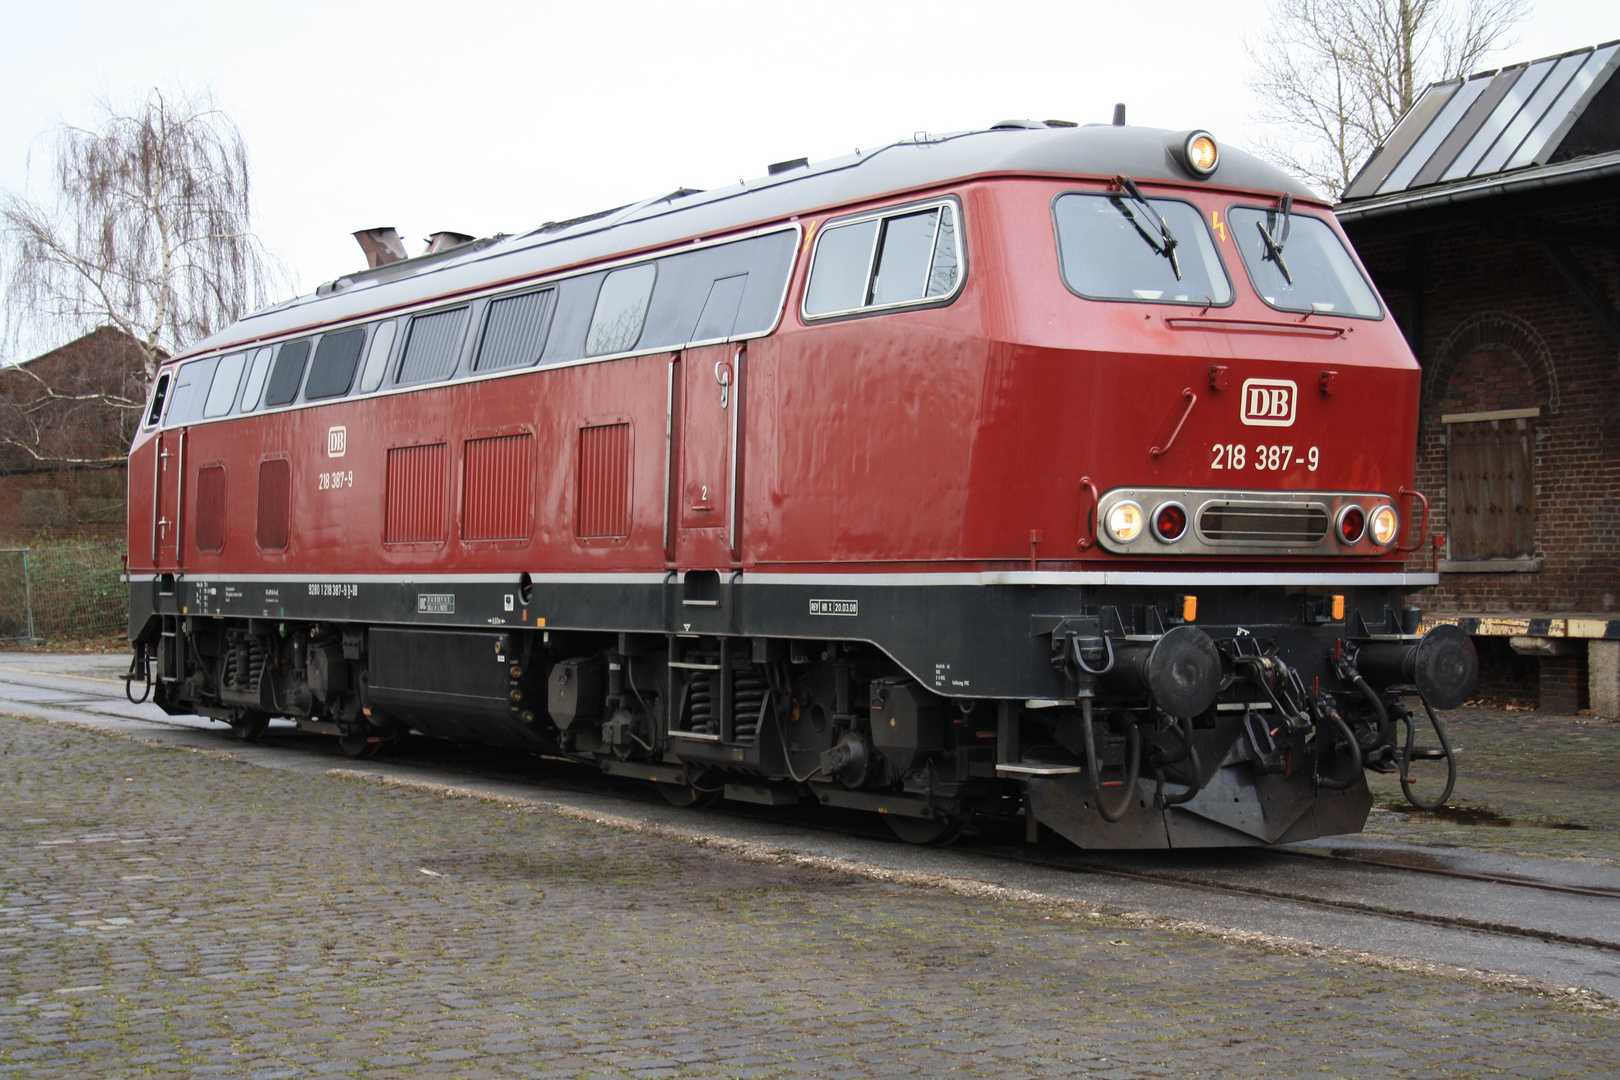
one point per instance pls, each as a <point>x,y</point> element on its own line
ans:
<point>1111,249</point>
<point>1297,263</point>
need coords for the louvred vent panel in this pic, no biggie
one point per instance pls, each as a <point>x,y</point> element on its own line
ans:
<point>499,476</point>
<point>604,482</point>
<point>415,495</point>
<point>275,502</point>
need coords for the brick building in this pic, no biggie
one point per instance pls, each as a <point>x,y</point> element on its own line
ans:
<point>1490,219</point>
<point>66,420</point>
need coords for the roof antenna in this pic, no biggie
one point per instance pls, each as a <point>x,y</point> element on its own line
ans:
<point>1119,114</point>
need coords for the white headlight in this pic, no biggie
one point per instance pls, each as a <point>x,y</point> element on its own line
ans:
<point>1125,521</point>
<point>1385,525</point>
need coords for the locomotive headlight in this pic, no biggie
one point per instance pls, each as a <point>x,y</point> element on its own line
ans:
<point>1201,152</point>
<point>1125,521</point>
<point>1385,525</point>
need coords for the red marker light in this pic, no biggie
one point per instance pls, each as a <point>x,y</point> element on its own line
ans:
<point>1352,524</point>
<point>1169,522</point>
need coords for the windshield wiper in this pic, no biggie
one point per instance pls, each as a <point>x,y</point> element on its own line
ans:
<point>1274,246</point>
<point>1164,243</point>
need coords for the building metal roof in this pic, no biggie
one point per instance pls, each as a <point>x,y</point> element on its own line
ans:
<point>1466,138</point>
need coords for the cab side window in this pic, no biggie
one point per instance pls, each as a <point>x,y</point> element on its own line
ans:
<point>159,397</point>
<point>909,256</point>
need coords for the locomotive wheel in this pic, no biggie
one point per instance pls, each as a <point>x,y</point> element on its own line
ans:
<point>688,795</point>
<point>360,745</point>
<point>937,831</point>
<point>250,726</point>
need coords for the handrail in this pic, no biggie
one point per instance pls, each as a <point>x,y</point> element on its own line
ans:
<point>1423,532</point>
<point>1088,521</point>
<point>1191,399</point>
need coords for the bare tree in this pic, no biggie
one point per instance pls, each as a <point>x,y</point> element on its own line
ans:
<point>1334,76</point>
<point>147,229</point>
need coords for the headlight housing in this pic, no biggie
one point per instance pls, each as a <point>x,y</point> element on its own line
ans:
<point>1351,524</point>
<point>1202,153</point>
<point>1124,521</point>
<point>1170,522</point>
<point>1385,526</point>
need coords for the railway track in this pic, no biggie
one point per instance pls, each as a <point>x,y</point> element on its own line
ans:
<point>1547,918</point>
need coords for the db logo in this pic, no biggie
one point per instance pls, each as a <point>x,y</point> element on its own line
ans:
<point>337,441</point>
<point>1269,402</point>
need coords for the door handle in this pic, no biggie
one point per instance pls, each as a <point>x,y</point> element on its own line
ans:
<point>722,375</point>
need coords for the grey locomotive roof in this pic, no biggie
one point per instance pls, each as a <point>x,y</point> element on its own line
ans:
<point>1521,118</point>
<point>919,163</point>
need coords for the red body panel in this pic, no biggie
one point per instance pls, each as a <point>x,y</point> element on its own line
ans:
<point>956,437</point>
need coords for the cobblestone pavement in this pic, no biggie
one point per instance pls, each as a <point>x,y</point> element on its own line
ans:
<point>178,914</point>
<point>1534,769</point>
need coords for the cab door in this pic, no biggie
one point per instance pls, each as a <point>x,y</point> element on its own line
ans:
<point>709,416</point>
<point>168,488</point>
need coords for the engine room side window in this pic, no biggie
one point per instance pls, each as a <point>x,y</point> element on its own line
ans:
<point>1111,247</point>
<point>621,310</point>
<point>718,316</point>
<point>255,378</point>
<point>719,291</point>
<point>515,331</point>
<point>336,357</point>
<point>382,344</point>
<point>227,380</point>
<point>903,258</point>
<point>1298,263</point>
<point>432,347</point>
<point>287,373</point>
<point>190,389</point>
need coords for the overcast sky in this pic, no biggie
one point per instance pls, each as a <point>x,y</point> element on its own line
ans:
<point>484,117</point>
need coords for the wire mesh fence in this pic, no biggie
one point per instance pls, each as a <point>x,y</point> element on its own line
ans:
<point>63,591</point>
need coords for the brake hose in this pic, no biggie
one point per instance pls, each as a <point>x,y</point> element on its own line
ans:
<point>1385,731</point>
<point>1134,739</point>
<point>1355,752</point>
<point>138,660</point>
<point>1189,754</point>
<point>1080,660</point>
<point>1406,760</point>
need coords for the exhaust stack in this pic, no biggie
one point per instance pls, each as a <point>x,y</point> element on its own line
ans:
<point>443,241</point>
<point>382,246</point>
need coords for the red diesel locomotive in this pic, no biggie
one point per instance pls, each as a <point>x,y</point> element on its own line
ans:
<point>1052,471</point>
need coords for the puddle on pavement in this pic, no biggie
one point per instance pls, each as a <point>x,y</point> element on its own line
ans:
<point>1469,815</point>
<point>1412,860</point>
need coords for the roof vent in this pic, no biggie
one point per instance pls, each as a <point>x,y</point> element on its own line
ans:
<point>1014,125</point>
<point>784,166</point>
<point>1119,115</point>
<point>382,246</point>
<point>442,241</point>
